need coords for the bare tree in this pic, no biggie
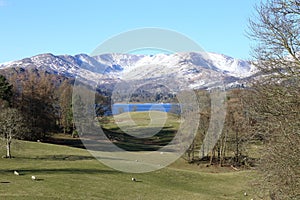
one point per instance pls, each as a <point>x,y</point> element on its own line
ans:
<point>65,104</point>
<point>12,125</point>
<point>239,123</point>
<point>276,105</point>
<point>276,29</point>
<point>37,99</point>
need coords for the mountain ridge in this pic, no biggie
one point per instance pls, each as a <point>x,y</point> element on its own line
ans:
<point>189,69</point>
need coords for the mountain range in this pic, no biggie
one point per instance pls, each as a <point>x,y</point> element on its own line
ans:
<point>194,70</point>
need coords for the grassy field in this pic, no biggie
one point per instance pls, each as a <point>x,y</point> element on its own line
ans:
<point>72,173</point>
<point>141,120</point>
<point>65,172</point>
<point>138,131</point>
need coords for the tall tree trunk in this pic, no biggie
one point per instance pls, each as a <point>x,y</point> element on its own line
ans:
<point>8,141</point>
<point>237,147</point>
<point>223,150</point>
<point>219,151</point>
<point>212,156</point>
<point>203,149</point>
<point>192,150</point>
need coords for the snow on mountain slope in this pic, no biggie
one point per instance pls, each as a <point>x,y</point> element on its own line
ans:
<point>235,67</point>
<point>192,69</point>
<point>118,62</point>
<point>213,61</point>
<point>80,66</point>
<point>2,65</point>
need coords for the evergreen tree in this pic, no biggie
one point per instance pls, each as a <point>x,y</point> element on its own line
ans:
<point>5,92</point>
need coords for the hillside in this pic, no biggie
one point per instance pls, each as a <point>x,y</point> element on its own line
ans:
<point>71,173</point>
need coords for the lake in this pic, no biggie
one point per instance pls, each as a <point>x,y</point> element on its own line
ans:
<point>163,107</point>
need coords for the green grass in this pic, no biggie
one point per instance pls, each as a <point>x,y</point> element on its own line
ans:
<point>141,120</point>
<point>141,131</point>
<point>72,173</point>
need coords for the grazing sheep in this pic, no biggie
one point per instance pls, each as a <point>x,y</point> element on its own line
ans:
<point>133,179</point>
<point>245,194</point>
<point>33,178</point>
<point>16,173</point>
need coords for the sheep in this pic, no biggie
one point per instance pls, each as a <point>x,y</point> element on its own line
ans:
<point>245,194</point>
<point>133,179</point>
<point>33,178</point>
<point>16,173</point>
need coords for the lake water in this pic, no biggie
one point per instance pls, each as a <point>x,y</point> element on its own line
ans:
<point>163,107</point>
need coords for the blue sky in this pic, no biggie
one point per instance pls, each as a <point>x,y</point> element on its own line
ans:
<point>30,27</point>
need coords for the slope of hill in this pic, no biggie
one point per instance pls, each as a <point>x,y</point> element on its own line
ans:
<point>187,70</point>
<point>70,173</point>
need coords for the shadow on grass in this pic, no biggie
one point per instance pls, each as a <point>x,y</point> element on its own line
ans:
<point>71,142</point>
<point>24,172</point>
<point>60,157</point>
<point>5,182</point>
<point>130,143</point>
<point>122,140</point>
<point>67,158</point>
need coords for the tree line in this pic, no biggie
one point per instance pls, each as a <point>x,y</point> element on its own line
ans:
<point>269,111</point>
<point>35,104</point>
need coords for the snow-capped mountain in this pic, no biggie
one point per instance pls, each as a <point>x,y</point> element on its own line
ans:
<point>192,69</point>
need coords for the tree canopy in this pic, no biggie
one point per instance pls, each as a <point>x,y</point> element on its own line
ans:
<point>275,98</point>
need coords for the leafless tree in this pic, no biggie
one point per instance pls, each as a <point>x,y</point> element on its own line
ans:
<point>276,105</point>
<point>12,125</point>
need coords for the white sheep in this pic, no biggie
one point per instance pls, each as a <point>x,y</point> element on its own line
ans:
<point>33,178</point>
<point>16,173</point>
<point>133,179</point>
